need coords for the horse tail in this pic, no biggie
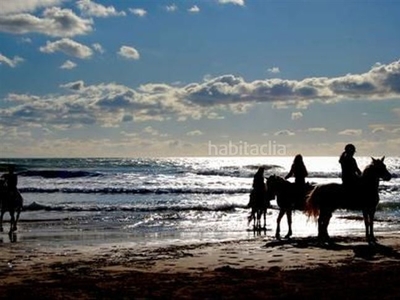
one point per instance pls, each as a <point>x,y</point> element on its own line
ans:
<point>312,203</point>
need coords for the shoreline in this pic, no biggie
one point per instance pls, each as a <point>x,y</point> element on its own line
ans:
<point>259,268</point>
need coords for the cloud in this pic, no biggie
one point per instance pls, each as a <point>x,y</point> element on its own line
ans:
<point>150,130</point>
<point>68,47</point>
<point>297,115</point>
<point>317,129</point>
<point>91,8</point>
<point>380,82</point>
<point>171,8</point>
<point>18,6</point>
<point>284,132</point>
<point>129,52</point>
<point>236,2</point>
<point>140,12</point>
<point>274,70</point>
<point>351,132</point>
<point>99,48</point>
<point>194,133</point>
<point>194,9</point>
<point>109,104</point>
<point>55,22</point>
<point>11,62</point>
<point>68,65</point>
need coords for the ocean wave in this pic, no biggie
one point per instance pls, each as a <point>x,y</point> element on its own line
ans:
<point>58,173</point>
<point>115,208</point>
<point>110,190</point>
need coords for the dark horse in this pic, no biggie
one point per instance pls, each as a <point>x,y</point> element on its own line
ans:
<point>259,202</point>
<point>326,198</point>
<point>289,197</point>
<point>12,203</point>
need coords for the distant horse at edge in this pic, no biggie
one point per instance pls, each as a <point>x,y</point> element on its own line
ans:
<point>11,203</point>
<point>364,196</point>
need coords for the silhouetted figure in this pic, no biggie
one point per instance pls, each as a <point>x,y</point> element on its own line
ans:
<point>298,170</point>
<point>259,189</point>
<point>350,171</point>
<point>258,199</point>
<point>11,181</point>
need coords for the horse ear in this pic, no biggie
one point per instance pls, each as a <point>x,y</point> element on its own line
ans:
<point>383,158</point>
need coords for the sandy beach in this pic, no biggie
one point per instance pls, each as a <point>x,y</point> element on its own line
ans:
<point>258,268</point>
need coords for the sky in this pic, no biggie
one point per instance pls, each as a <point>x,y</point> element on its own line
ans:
<point>149,78</point>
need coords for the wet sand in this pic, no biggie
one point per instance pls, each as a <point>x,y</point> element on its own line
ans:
<point>258,268</point>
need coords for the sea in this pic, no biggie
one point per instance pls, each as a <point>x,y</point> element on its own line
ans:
<point>165,201</point>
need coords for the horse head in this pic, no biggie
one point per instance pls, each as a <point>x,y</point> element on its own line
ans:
<point>379,168</point>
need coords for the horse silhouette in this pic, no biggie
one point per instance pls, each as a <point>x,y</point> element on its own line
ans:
<point>259,202</point>
<point>11,203</point>
<point>364,196</point>
<point>289,197</point>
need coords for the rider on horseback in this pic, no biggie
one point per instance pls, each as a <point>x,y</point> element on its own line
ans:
<point>350,171</point>
<point>259,189</point>
<point>299,171</point>
<point>11,181</point>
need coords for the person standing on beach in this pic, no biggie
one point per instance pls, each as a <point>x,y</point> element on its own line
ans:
<point>11,180</point>
<point>350,171</point>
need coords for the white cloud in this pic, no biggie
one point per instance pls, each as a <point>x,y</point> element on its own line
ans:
<point>129,52</point>
<point>194,133</point>
<point>274,70</point>
<point>140,12</point>
<point>55,22</point>
<point>151,131</point>
<point>99,48</point>
<point>111,103</point>
<point>94,9</point>
<point>236,2</point>
<point>317,129</point>
<point>297,115</point>
<point>171,8</point>
<point>351,132</point>
<point>284,132</point>
<point>11,62</point>
<point>194,9</point>
<point>68,47</point>
<point>68,65</point>
<point>18,6</point>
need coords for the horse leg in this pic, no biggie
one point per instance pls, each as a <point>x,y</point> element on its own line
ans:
<point>12,221</point>
<point>278,223</point>
<point>323,222</point>
<point>1,220</point>
<point>16,220</point>
<point>289,221</point>
<point>366,223</point>
<point>371,224</point>
<point>265,218</point>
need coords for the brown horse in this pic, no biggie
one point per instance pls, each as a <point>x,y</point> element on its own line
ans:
<point>289,197</point>
<point>11,202</point>
<point>326,198</point>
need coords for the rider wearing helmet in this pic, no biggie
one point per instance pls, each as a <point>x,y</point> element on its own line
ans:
<point>350,170</point>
